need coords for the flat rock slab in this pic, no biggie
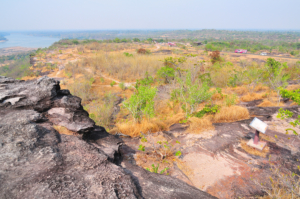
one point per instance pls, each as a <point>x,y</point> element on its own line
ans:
<point>260,145</point>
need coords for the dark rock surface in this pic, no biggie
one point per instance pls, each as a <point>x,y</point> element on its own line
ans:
<point>36,161</point>
<point>267,112</point>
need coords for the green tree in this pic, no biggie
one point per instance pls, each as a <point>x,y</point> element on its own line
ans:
<point>253,75</point>
<point>117,40</point>
<point>150,40</point>
<point>167,73</point>
<point>141,103</point>
<point>275,76</point>
<point>191,93</point>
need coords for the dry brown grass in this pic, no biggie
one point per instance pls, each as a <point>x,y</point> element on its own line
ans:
<point>293,87</point>
<point>240,90</point>
<point>254,151</point>
<point>198,125</point>
<point>267,103</point>
<point>124,68</point>
<point>252,96</point>
<point>175,119</point>
<point>217,96</point>
<point>63,130</point>
<point>231,114</point>
<point>259,88</point>
<point>134,129</point>
<point>267,138</point>
<point>294,104</point>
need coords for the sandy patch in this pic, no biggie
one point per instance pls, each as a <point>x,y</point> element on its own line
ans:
<point>207,170</point>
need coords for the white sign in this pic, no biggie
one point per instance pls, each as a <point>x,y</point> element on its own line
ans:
<point>259,125</point>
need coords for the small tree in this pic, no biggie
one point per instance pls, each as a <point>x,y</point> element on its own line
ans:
<point>277,80</point>
<point>141,103</point>
<point>190,93</point>
<point>253,75</point>
<point>167,73</point>
<point>215,57</point>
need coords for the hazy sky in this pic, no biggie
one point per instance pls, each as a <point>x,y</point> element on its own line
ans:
<point>143,14</point>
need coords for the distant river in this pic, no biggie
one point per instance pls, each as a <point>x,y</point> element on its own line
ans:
<point>27,41</point>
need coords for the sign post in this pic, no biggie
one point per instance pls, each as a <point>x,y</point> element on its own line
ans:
<point>259,126</point>
<point>256,137</point>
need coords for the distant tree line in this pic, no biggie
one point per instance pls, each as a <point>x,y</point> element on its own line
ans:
<point>253,46</point>
<point>18,68</point>
<point>200,35</point>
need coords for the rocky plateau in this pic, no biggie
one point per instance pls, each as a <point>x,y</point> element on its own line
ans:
<point>36,161</point>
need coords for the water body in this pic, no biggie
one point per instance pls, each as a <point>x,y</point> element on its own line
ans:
<point>22,40</point>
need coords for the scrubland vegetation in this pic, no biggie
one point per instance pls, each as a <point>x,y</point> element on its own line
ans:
<point>196,91</point>
<point>15,66</point>
<point>222,40</point>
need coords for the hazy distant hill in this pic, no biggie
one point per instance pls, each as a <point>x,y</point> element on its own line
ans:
<point>205,34</point>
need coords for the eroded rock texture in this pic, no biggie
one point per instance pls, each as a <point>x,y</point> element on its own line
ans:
<point>38,162</point>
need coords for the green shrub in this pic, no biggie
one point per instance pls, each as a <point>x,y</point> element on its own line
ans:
<point>293,95</point>
<point>91,80</point>
<point>230,100</point>
<point>122,86</point>
<point>208,110</point>
<point>128,54</point>
<point>190,93</point>
<point>274,74</point>
<point>141,103</point>
<point>112,83</point>
<point>144,82</point>
<point>205,78</point>
<point>166,73</point>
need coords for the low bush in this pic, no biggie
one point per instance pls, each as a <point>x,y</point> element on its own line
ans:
<point>143,51</point>
<point>128,54</point>
<point>101,111</point>
<point>113,83</point>
<point>141,103</point>
<point>207,110</point>
<point>122,86</point>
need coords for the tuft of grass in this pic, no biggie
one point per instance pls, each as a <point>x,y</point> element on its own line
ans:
<point>63,130</point>
<point>134,129</point>
<point>267,138</point>
<point>293,87</point>
<point>112,83</point>
<point>240,90</point>
<point>260,87</point>
<point>198,125</point>
<point>252,96</point>
<point>231,114</point>
<point>175,119</point>
<point>267,103</point>
<point>122,86</point>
